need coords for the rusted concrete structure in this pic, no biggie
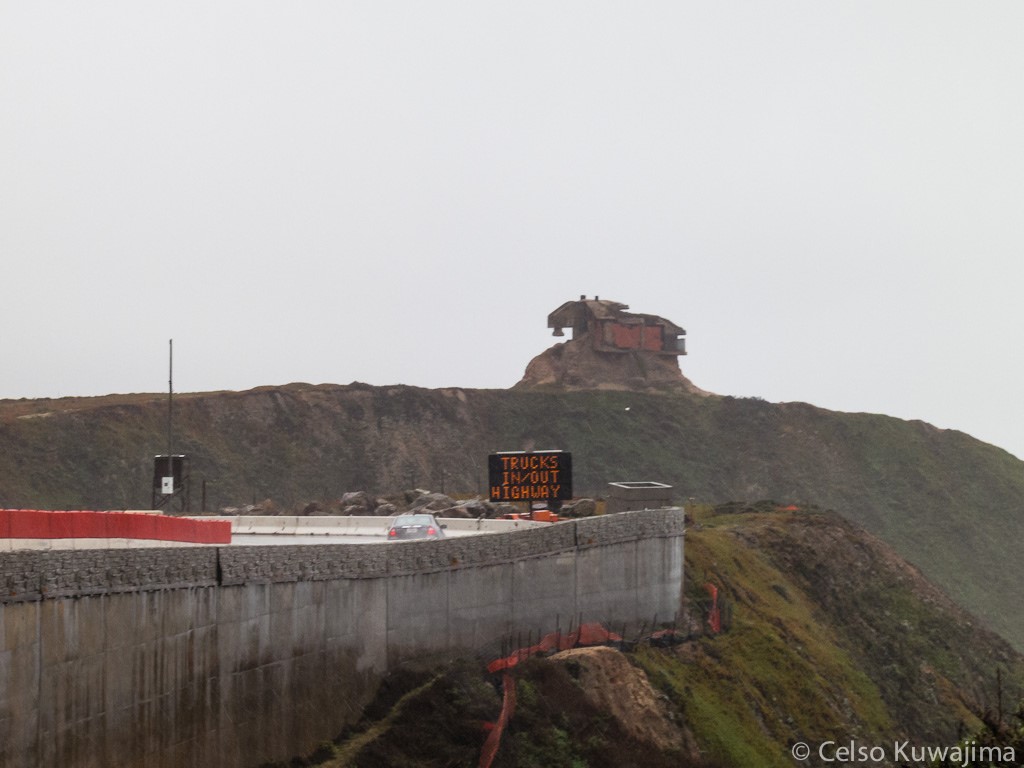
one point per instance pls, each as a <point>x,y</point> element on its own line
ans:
<point>610,348</point>
<point>610,328</point>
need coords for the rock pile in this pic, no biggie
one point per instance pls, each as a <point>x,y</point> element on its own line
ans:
<point>418,499</point>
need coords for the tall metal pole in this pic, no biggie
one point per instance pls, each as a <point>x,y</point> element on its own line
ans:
<point>170,403</point>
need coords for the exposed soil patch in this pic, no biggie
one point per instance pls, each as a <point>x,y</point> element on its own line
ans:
<point>612,684</point>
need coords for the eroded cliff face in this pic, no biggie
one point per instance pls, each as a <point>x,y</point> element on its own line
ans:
<point>575,366</point>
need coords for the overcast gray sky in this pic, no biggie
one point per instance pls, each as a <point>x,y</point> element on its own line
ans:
<point>828,196</point>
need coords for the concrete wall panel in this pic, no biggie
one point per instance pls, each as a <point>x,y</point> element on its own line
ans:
<point>417,615</point>
<point>480,606</point>
<point>659,574</point>
<point>19,702</point>
<point>544,593</point>
<point>607,583</point>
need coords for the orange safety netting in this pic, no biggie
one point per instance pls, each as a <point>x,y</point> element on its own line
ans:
<point>714,615</point>
<point>588,634</point>
<point>508,706</point>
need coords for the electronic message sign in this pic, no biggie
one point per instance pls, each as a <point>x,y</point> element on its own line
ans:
<point>530,476</point>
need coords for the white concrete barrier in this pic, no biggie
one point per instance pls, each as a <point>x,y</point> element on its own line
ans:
<point>362,525</point>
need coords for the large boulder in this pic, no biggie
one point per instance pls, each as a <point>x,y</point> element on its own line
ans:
<point>471,508</point>
<point>432,502</point>
<point>357,503</point>
<point>413,494</point>
<point>385,509</point>
<point>356,499</point>
<point>504,508</point>
<point>312,508</point>
<point>579,508</point>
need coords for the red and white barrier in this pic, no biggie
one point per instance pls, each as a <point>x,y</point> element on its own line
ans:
<point>48,524</point>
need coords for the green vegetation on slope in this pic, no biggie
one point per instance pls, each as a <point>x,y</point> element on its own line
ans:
<point>777,676</point>
<point>832,638</point>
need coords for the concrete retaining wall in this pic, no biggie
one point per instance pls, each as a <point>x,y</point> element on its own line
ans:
<point>236,656</point>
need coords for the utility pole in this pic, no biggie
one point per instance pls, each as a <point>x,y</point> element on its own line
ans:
<point>170,472</point>
<point>170,400</point>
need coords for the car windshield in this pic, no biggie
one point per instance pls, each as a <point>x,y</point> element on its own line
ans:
<point>414,520</point>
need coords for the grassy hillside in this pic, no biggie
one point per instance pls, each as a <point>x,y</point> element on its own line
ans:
<point>948,503</point>
<point>829,636</point>
<point>832,636</point>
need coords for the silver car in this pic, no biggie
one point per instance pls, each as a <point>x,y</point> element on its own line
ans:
<point>415,526</point>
